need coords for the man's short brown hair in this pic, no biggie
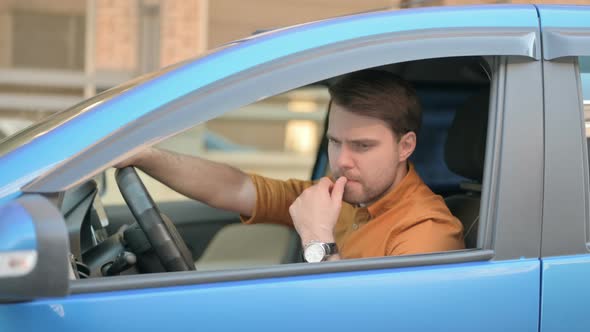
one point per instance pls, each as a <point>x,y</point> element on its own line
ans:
<point>381,95</point>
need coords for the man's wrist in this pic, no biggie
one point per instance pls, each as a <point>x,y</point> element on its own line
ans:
<point>319,238</point>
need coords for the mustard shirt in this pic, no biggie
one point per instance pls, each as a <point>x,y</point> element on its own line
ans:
<point>410,219</point>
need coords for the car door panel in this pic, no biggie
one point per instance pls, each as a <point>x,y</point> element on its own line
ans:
<point>566,258</point>
<point>478,296</point>
<point>565,293</point>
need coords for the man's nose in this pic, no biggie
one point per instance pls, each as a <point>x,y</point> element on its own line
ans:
<point>344,159</point>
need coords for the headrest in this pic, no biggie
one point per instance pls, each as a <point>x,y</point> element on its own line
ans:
<point>466,140</point>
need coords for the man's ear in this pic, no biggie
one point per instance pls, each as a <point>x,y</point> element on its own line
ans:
<point>407,145</point>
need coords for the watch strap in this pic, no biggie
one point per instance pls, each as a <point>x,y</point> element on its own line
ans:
<point>332,248</point>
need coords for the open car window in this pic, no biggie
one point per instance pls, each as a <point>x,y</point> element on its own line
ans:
<point>283,137</point>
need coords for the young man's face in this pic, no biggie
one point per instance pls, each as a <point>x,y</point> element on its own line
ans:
<point>366,151</point>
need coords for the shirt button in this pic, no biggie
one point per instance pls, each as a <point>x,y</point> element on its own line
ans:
<point>355,226</point>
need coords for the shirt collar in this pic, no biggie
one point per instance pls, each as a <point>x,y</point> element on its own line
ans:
<point>402,189</point>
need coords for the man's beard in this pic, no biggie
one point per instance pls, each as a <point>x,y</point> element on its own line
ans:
<point>357,196</point>
<point>363,194</point>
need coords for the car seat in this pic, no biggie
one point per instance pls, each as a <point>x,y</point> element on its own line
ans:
<point>464,155</point>
<point>246,246</point>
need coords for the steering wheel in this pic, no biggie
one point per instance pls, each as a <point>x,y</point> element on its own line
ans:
<point>160,232</point>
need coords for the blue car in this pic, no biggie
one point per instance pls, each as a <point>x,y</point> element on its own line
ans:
<point>506,95</point>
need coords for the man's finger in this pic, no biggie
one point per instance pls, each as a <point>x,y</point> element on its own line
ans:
<point>325,183</point>
<point>338,190</point>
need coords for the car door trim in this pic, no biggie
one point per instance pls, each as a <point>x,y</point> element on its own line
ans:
<point>156,280</point>
<point>562,42</point>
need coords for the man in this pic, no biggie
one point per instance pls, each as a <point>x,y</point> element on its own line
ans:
<point>375,204</point>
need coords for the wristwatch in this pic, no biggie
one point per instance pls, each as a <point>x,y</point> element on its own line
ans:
<point>316,251</point>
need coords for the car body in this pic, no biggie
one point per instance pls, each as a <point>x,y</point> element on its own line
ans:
<point>526,272</point>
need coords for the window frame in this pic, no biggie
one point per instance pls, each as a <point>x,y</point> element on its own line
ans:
<point>494,233</point>
<point>566,223</point>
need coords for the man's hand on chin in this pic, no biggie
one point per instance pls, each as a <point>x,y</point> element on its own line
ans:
<point>315,212</point>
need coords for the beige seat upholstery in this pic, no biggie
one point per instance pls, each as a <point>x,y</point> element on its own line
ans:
<point>465,207</point>
<point>244,246</point>
<point>464,155</point>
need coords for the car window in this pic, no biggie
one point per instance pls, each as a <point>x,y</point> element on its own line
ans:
<point>281,136</point>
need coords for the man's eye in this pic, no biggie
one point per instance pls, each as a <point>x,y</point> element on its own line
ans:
<point>361,146</point>
<point>332,141</point>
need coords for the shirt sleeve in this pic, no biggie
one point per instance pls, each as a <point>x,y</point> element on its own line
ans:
<point>273,198</point>
<point>428,236</point>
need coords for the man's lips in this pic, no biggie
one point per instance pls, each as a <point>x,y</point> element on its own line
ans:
<point>351,181</point>
<point>348,179</point>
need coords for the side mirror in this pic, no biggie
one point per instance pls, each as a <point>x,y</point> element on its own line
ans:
<point>34,250</point>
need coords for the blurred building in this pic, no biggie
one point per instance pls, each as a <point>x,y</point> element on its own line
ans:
<point>54,53</point>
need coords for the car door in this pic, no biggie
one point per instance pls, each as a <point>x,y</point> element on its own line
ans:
<point>566,258</point>
<point>494,287</point>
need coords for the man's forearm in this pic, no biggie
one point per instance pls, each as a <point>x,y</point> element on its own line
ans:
<point>213,183</point>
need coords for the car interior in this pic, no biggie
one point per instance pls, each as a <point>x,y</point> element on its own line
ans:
<point>146,236</point>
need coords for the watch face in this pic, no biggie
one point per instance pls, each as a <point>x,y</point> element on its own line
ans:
<point>314,253</point>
